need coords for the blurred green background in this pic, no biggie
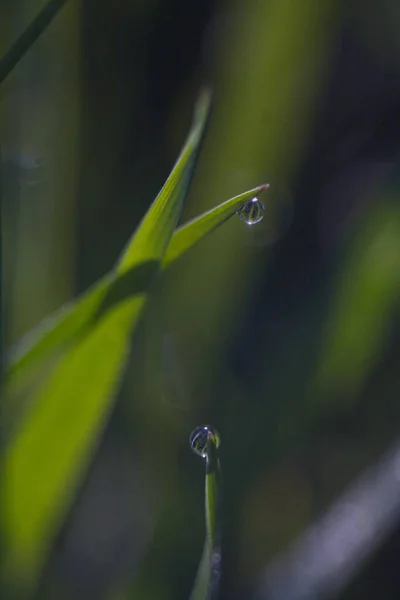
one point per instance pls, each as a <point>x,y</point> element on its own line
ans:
<point>284,336</point>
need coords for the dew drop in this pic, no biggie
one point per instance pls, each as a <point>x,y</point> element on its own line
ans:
<point>278,216</point>
<point>252,212</point>
<point>199,437</point>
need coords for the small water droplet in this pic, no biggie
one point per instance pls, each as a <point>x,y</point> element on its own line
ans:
<point>252,212</point>
<point>199,437</point>
<point>277,219</point>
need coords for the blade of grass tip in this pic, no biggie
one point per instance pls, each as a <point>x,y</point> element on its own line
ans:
<point>58,332</point>
<point>164,212</point>
<point>54,443</point>
<point>50,332</point>
<point>208,576</point>
<point>72,319</point>
<point>34,30</point>
<point>195,230</point>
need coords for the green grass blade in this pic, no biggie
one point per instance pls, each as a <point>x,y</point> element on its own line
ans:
<point>29,37</point>
<point>163,215</point>
<point>54,442</point>
<point>60,328</point>
<point>209,572</point>
<point>191,233</point>
<point>71,321</point>
<point>1,287</point>
<point>75,316</point>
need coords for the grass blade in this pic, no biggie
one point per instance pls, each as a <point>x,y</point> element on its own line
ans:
<point>207,580</point>
<point>191,233</point>
<point>56,330</point>
<point>363,306</point>
<point>163,215</point>
<point>1,281</point>
<point>29,37</point>
<point>55,440</point>
<point>56,334</point>
<point>70,321</point>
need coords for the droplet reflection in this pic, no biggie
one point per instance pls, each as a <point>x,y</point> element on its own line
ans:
<point>252,212</point>
<point>199,437</point>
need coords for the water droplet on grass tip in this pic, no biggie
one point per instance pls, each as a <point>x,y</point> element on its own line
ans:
<point>199,437</point>
<point>252,212</point>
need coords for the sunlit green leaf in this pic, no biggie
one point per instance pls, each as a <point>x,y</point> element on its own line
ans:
<point>55,440</point>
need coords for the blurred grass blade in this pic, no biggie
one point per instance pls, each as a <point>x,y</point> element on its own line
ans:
<point>207,580</point>
<point>29,37</point>
<point>363,306</point>
<point>1,281</point>
<point>55,440</point>
<point>360,521</point>
<point>68,323</point>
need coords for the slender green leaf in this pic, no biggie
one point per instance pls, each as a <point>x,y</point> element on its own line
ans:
<point>191,233</point>
<point>55,441</point>
<point>208,575</point>
<point>29,37</point>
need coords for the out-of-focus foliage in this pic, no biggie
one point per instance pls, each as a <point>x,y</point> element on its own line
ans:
<point>283,335</point>
<point>366,297</point>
